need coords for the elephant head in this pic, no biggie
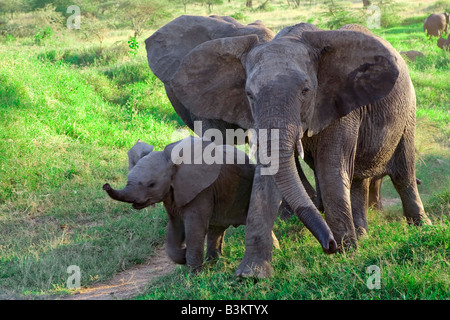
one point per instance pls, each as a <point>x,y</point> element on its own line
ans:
<point>298,83</point>
<point>156,173</point>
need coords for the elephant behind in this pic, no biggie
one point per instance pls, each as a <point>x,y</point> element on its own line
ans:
<point>436,24</point>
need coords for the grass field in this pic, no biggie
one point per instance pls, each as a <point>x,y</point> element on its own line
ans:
<point>69,111</point>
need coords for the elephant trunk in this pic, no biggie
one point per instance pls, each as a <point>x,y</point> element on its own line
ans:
<point>292,190</point>
<point>123,195</point>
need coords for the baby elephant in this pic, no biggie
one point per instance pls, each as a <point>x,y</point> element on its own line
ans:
<point>200,199</point>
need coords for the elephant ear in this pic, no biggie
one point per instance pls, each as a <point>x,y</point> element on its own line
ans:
<point>355,68</point>
<point>192,175</point>
<point>210,81</point>
<point>138,151</point>
<point>168,46</point>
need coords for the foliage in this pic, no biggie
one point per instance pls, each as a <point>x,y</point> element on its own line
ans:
<point>140,13</point>
<point>134,46</point>
<point>42,35</point>
<point>338,15</point>
<point>265,6</point>
<point>239,16</point>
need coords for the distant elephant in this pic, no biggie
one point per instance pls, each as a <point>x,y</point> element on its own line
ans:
<point>200,200</point>
<point>342,98</point>
<point>443,43</point>
<point>436,24</point>
<point>412,54</point>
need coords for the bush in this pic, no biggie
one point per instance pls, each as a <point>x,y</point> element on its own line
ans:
<point>239,16</point>
<point>88,56</point>
<point>42,35</point>
<point>265,7</point>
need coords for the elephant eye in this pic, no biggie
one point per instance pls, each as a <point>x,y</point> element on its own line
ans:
<point>151,184</point>
<point>305,91</point>
<point>249,95</point>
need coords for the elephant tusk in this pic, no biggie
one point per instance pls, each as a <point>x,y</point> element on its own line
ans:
<point>300,148</point>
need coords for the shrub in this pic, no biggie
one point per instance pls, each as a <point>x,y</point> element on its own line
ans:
<point>42,35</point>
<point>239,16</point>
<point>265,6</point>
<point>82,57</point>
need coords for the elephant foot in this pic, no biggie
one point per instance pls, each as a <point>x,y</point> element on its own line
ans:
<point>420,221</point>
<point>254,269</point>
<point>361,233</point>
<point>346,243</point>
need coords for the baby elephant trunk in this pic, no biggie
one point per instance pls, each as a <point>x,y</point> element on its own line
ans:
<point>123,195</point>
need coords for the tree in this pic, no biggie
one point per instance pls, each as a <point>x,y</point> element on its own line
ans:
<point>92,26</point>
<point>11,7</point>
<point>210,3</point>
<point>140,13</point>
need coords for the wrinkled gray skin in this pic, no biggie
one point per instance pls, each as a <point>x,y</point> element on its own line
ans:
<point>343,96</point>
<point>436,24</point>
<point>200,200</point>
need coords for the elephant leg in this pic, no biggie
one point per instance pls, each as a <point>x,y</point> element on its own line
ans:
<point>359,199</point>
<point>264,203</point>
<point>404,179</point>
<point>214,242</point>
<point>175,248</point>
<point>196,219</point>
<point>338,212</point>
<point>334,166</point>
<point>285,210</point>
<point>375,193</point>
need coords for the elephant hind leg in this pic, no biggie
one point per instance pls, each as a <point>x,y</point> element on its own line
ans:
<point>375,193</point>
<point>404,179</point>
<point>359,199</point>
<point>214,242</point>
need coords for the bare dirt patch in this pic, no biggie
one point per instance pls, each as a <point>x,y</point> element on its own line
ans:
<point>128,283</point>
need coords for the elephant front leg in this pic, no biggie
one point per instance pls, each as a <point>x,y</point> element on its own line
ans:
<point>196,218</point>
<point>264,203</point>
<point>338,210</point>
<point>175,248</point>
<point>214,242</point>
<point>334,167</point>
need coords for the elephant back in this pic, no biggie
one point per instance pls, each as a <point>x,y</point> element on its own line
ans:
<point>167,47</point>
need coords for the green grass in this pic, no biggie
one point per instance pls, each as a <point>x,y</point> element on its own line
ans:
<point>60,140</point>
<point>69,113</point>
<point>413,263</point>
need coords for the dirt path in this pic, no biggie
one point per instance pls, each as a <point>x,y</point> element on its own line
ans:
<point>128,283</point>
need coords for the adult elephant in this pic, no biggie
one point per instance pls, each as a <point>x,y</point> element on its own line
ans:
<point>342,98</point>
<point>436,24</point>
